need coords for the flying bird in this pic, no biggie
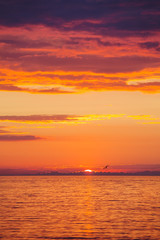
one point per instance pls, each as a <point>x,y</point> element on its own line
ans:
<point>106,167</point>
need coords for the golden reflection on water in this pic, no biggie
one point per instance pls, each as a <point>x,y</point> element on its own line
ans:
<point>86,206</point>
<point>76,207</point>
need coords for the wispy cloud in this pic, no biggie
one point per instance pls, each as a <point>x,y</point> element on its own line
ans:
<point>3,130</point>
<point>8,87</point>
<point>150,45</point>
<point>49,119</point>
<point>143,117</point>
<point>39,118</point>
<point>9,137</point>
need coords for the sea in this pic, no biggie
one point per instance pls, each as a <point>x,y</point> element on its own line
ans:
<point>80,207</point>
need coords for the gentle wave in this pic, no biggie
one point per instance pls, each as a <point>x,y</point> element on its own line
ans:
<point>80,207</point>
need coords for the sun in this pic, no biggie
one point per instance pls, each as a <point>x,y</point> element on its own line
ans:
<point>88,170</point>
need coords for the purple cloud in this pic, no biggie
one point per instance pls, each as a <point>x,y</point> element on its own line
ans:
<point>150,45</point>
<point>36,118</point>
<point>10,137</point>
<point>132,17</point>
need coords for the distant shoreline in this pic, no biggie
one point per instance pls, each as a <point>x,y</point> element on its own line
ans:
<point>145,173</point>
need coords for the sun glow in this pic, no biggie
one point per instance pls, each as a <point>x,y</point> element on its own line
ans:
<point>88,171</point>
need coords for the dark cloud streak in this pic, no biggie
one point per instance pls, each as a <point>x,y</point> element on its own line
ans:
<point>130,16</point>
<point>84,62</point>
<point>12,88</point>
<point>22,42</point>
<point>150,45</point>
<point>35,118</point>
<point>7,136</point>
<point>10,138</point>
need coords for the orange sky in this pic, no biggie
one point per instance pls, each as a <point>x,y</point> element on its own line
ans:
<point>80,91</point>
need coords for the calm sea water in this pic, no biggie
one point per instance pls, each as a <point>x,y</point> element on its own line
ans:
<point>80,207</point>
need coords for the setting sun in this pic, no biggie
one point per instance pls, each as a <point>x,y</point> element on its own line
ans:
<point>88,170</point>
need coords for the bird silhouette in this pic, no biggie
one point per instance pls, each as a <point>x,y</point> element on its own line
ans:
<point>106,167</point>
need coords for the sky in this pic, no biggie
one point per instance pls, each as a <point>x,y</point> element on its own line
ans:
<point>80,84</point>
